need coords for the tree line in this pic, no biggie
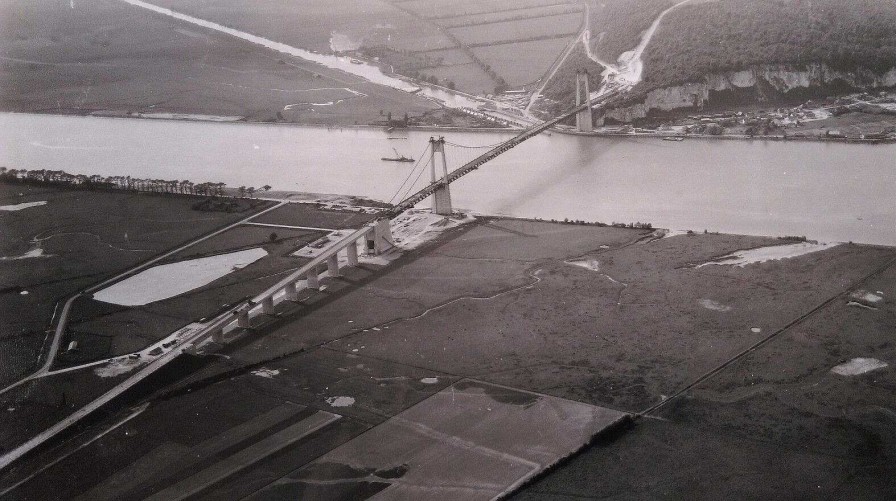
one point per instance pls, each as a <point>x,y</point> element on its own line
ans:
<point>128,183</point>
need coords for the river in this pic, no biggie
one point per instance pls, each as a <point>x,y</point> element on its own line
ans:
<point>825,191</point>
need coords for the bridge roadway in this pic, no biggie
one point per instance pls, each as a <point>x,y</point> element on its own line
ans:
<point>474,164</point>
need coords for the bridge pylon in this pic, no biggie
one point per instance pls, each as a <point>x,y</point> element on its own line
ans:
<point>441,198</point>
<point>584,118</point>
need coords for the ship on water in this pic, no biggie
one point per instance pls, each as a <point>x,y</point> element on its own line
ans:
<point>398,157</point>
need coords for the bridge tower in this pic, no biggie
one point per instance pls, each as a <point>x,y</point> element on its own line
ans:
<point>584,120</point>
<point>441,199</point>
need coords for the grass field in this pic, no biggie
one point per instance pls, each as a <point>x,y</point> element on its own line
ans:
<point>85,237</point>
<point>467,77</point>
<point>313,216</point>
<point>248,237</point>
<point>509,15</point>
<point>525,29</point>
<point>522,63</point>
<point>309,24</point>
<point>500,45</point>
<point>503,301</point>
<point>104,330</point>
<point>443,9</point>
<point>450,57</point>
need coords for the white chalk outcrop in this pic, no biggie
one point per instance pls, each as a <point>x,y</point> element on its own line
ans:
<point>781,78</point>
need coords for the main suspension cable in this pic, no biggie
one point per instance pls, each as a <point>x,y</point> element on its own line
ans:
<point>411,186</point>
<point>475,147</point>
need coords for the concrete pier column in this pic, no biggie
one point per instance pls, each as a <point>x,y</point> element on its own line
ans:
<point>333,265</point>
<point>242,320</point>
<point>351,253</point>
<point>311,278</point>
<point>290,292</point>
<point>267,305</point>
<point>442,201</point>
<point>370,242</point>
<point>218,336</point>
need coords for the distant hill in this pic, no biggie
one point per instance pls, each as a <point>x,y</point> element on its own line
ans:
<point>726,53</point>
<point>703,38</point>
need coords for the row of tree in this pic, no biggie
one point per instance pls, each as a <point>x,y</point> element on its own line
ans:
<point>60,177</point>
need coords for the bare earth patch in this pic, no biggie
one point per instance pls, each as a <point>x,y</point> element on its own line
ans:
<point>772,253</point>
<point>858,366</point>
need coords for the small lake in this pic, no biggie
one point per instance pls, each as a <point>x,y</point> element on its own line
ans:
<point>825,191</point>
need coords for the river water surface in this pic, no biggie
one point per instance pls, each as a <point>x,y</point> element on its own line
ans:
<point>825,191</point>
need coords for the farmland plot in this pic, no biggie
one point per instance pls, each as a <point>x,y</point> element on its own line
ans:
<point>466,77</point>
<point>449,57</point>
<point>523,62</point>
<point>440,9</point>
<point>508,15</point>
<point>526,29</point>
<point>311,24</point>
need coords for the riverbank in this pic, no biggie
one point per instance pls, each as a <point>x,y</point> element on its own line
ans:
<point>739,137</point>
<point>224,120</point>
<point>176,117</point>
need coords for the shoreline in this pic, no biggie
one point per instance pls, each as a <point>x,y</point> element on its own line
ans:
<point>364,204</point>
<point>732,137</point>
<point>211,120</point>
<point>214,119</point>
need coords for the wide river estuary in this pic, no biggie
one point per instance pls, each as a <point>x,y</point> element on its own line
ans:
<point>825,191</point>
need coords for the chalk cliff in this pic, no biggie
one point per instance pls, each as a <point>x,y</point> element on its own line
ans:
<point>760,83</point>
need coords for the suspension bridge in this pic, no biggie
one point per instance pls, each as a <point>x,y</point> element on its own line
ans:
<point>375,238</point>
<point>438,187</point>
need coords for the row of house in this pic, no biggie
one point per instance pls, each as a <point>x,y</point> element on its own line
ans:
<point>112,182</point>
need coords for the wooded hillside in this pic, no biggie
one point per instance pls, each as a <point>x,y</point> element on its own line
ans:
<point>710,37</point>
<point>616,25</point>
